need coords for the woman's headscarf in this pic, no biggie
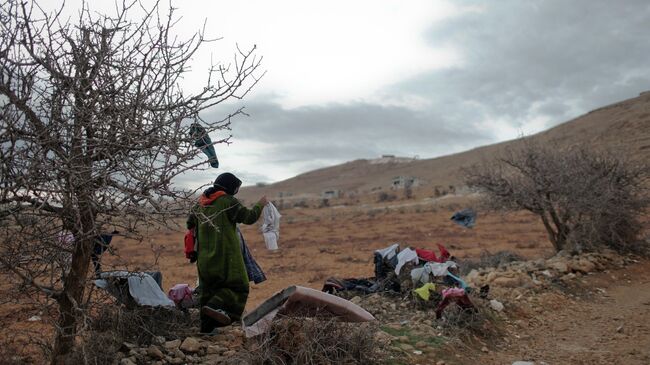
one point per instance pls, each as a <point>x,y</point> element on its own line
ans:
<point>226,182</point>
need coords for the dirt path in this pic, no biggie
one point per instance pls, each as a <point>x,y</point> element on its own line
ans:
<point>607,322</point>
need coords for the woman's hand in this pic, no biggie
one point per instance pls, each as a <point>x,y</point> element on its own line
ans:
<point>263,201</point>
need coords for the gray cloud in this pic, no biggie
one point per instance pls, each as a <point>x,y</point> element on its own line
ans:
<point>521,61</point>
<point>570,56</point>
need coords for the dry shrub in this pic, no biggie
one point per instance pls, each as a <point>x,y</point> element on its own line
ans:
<point>466,324</point>
<point>585,198</point>
<point>313,341</point>
<point>112,326</point>
<point>141,325</point>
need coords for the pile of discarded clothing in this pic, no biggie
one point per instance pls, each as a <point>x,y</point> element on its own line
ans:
<point>419,274</point>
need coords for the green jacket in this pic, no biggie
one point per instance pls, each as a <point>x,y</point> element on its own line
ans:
<point>220,262</point>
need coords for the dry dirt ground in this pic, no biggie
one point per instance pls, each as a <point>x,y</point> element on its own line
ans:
<point>604,319</point>
<point>339,241</point>
<point>607,321</point>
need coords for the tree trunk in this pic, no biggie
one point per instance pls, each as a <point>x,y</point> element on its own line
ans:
<point>70,300</point>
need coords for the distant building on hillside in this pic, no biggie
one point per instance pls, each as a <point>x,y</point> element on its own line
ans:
<point>402,182</point>
<point>331,194</point>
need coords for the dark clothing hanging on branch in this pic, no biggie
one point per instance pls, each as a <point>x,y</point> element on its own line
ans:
<point>202,141</point>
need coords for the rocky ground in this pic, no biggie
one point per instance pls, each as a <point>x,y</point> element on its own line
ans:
<point>587,309</point>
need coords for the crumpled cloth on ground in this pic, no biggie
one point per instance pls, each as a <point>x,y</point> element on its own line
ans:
<point>271,226</point>
<point>458,280</point>
<point>465,218</point>
<point>428,255</point>
<point>454,295</point>
<point>333,285</point>
<point>425,290</point>
<point>406,255</point>
<point>142,287</point>
<point>181,294</point>
<point>422,274</point>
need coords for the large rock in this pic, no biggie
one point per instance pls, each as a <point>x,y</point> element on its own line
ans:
<point>496,305</point>
<point>155,352</point>
<point>172,345</point>
<point>472,276</point>
<point>558,264</point>
<point>582,265</point>
<point>491,276</point>
<point>190,345</point>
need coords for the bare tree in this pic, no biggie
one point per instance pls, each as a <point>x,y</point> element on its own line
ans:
<point>95,126</point>
<point>583,197</point>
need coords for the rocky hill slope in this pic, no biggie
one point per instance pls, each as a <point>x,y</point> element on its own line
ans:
<point>623,127</point>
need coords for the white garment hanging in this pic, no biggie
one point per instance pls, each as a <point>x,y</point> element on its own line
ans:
<point>271,226</point>
<point>406,255</point>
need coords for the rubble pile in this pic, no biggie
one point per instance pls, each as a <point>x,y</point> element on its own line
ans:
<point>529,274</point>
<point>218,349</point>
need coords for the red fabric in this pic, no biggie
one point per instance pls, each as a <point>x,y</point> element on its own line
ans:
<point>207,200</point>
<point>454,296</point>
<point>189,243</point>
<point>427,255</point>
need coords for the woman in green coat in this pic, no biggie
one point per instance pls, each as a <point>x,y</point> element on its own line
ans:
<point>222,273</point>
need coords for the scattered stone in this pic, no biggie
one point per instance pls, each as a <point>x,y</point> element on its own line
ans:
<point>129,345</point>
<point>128,361</point>
<point>485,349</point>
<point>190,345</point>
<point>155,352</point>
<point>214,349</point>
<point>229,353</point>
<point>496,305</point>
<point>547,273</point>
<point>508,281</point>
<point>176,361</point>
<point>406,347</point>
<point>158,340</point>
<point>356,300</point>
<point>34,319</point>
<point>619,329</point>
<point>421,344</point>
<point>583,266</point>
<point>383,337</point>
<point>560,266</point>
<point>568,277</point>
<point>523,363</point>
<point>212,359</point>
<point>172,345</point>
<point>417,352</point>
<point>441,362</point>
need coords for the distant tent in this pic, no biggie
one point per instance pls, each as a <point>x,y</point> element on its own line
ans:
<point>465,218</point>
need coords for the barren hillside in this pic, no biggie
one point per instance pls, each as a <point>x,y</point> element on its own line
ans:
<point>622,127</point>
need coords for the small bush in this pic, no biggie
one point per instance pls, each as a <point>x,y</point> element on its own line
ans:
<point>313,341</point>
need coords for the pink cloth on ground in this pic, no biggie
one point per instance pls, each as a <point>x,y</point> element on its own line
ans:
<point>180,293</point>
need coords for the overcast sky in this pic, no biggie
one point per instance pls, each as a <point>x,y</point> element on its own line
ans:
<point>357,79</point>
